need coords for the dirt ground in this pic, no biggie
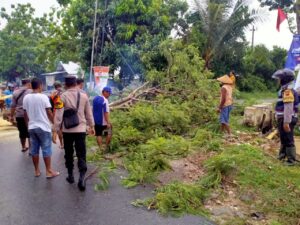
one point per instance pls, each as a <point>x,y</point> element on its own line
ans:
<point>186,170</point>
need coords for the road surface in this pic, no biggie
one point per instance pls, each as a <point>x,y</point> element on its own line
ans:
<point>27,200</point>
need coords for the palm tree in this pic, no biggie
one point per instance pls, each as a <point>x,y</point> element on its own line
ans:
<point>223,22</point>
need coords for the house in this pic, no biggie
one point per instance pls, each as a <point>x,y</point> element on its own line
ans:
<point>62,70</point>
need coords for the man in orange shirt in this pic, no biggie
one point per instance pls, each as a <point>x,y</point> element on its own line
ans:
<point>226,102</point>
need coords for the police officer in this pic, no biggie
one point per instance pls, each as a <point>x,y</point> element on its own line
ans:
<point>286,113</point>
<point>74,137</point>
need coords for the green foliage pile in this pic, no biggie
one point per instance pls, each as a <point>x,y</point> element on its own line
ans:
<point>147,160</point>
<point>168,128</point>
<point>177,199</point>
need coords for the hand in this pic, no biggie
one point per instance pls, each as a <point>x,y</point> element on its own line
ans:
<point>286,127</point>
<point>54,135</point>
<point>109,125</point>
<point>91,131</point>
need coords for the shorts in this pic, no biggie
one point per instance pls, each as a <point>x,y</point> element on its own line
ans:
<point>40,139</point>
<point>102,130</point>
<point>22,127</point>
<point>224,115</point>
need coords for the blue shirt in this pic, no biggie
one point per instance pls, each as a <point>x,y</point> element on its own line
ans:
<point>100,106</point>
<point>8,100</point>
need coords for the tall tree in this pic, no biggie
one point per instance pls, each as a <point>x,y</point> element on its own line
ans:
<point>126,30</point>
<point>19,40</point>
<point>221,25</point>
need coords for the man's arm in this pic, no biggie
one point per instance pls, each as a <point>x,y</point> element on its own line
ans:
<point>223,98</point>
<point>50,115</point>
<point>107,119</point>
<point>287,116</point>
<point>89,117</point>
<point>26,118</point>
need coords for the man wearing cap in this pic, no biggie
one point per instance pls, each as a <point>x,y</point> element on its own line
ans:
<point>18,111</point>
<point>101,117</point>
<point>75,135</point>
<point>286,110</point>
<point>226,102</point>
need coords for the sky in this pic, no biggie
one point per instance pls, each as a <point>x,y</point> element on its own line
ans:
<point>265,33</point>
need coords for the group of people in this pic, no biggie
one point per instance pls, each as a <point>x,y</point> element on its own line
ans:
<point>286,110</point>
<point>67,114</point>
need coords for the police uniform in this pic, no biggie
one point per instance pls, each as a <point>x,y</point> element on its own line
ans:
<point>286,110</point>
<point>74,138</point>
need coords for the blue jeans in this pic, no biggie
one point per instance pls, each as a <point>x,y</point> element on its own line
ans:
<point>40,139</point>
<point>224,115</point>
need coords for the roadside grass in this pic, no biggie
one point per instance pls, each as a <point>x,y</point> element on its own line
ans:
<point>255,97</point>
<point>276,187</point>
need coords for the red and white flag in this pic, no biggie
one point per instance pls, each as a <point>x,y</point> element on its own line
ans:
<point>281,16</point>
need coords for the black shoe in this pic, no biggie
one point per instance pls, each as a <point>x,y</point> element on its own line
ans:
<point>81,185</point>
<point>81,181</point>
<point>281,157</point>
<point>70,179</point>
<point>290,163</point>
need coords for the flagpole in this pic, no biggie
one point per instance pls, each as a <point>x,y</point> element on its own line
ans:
<point>93,44</point>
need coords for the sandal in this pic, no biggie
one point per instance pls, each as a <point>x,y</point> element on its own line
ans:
<point>55,174</point>
<point>24,149</point>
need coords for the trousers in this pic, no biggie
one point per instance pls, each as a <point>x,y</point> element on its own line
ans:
<point>287,139</point>
<point>76,140</point>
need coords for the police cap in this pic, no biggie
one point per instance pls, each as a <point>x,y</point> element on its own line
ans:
<point>70,80</point>
<point>26,81</point>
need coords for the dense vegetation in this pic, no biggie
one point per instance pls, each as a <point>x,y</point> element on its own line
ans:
<point>179,50</point>
<point>129,35</point>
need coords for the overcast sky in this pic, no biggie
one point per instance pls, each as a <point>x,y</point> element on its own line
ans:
<point>265,33</point>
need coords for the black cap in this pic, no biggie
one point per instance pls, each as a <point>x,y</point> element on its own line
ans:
<point>70,80</point>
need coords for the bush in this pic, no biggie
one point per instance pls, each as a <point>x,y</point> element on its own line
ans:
<point>252,83</point>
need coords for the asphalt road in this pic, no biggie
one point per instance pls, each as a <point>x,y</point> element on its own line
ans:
<point>27,200</point>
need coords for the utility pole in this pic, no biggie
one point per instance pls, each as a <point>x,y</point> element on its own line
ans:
<point>93,44</point>
<point>103,32</point>
<point>253,30</point>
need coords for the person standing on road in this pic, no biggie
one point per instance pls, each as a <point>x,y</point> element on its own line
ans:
<point>18,112</point>
<point>101,117</point>
<point>226,102</point>
<point>74,116</point>
<point>286,110</point>
<point>8,91</point>
<point>57,103</point>
<point>38,114</point>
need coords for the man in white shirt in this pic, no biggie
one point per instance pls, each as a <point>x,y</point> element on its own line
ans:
<point>38,115</point>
